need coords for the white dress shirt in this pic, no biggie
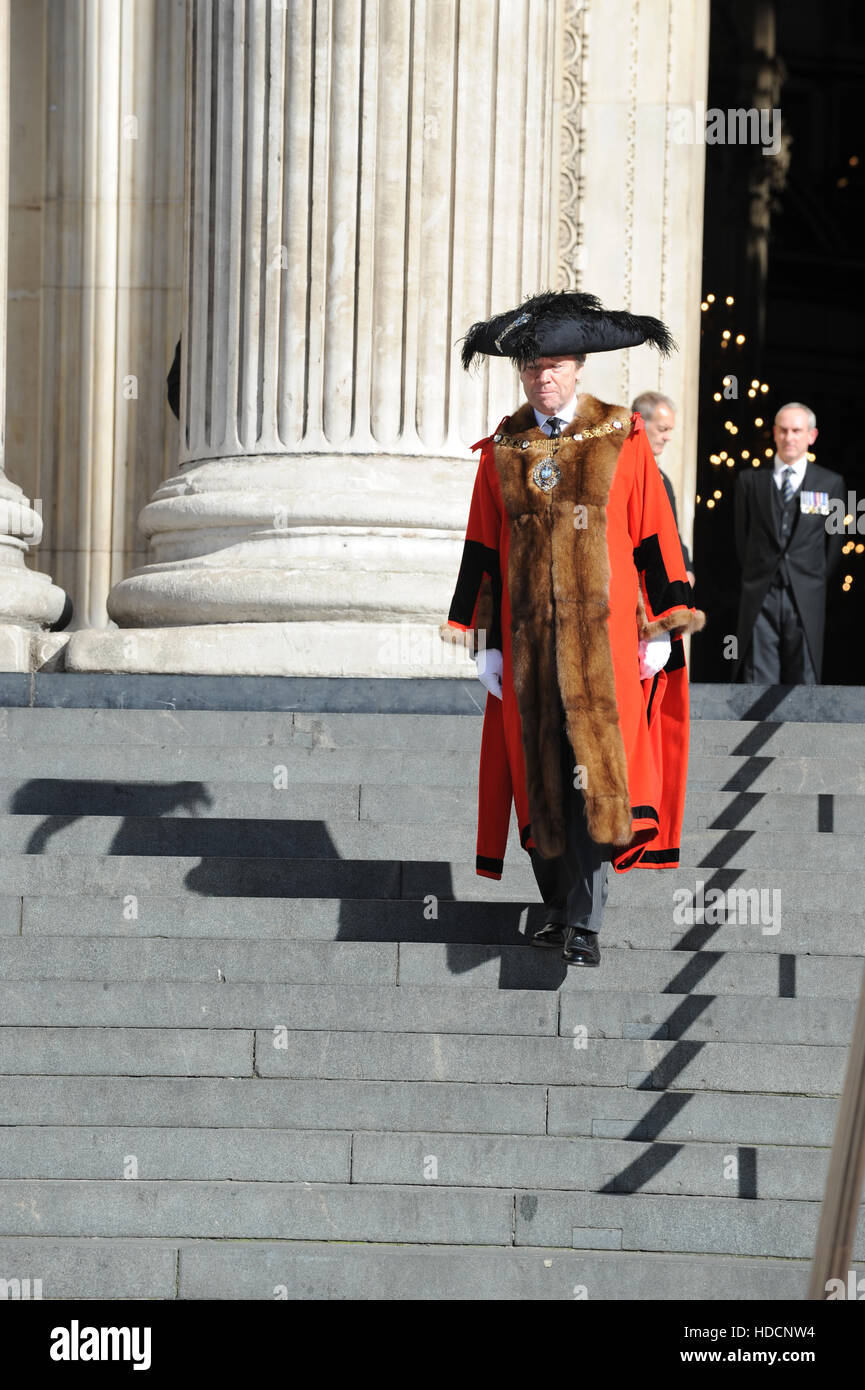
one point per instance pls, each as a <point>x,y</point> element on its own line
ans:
<point>567,413</point>
<point>798,472</point>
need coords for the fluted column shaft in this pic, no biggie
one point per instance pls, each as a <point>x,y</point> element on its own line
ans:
<point>364,179</point>
<point>112,198</point>
<point>348,164</point>
<point>635,235</point>
<point>29,601</point>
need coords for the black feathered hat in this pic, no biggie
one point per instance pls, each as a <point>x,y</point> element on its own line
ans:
<point>559,323</point>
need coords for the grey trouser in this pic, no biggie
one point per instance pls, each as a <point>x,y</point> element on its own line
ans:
<point>779,653</point>
<point>574,885</point>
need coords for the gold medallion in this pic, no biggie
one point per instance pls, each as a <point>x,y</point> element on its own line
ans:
<point>546,474</point>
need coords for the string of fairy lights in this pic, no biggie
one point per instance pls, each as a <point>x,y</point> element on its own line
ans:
<point>757,441</point>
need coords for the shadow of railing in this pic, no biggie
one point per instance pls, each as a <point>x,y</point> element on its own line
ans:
<point>696,938</point>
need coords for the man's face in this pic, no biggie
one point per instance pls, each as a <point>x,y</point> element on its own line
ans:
<point>792,435</point>
<point>659,428</point>
<point>550,382</point>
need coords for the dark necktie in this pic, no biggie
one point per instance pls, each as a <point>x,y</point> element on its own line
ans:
<point>555,425</point>
<point>788,484</point>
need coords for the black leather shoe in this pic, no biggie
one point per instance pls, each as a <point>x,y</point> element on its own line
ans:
<point>550,934</point>
<point>581,947</point>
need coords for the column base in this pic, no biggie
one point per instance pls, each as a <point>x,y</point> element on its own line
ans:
<point>273,649</point>
<point>26,649</point>
<point>28,599</point>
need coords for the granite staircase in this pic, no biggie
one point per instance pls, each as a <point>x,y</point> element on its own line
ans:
<point>264,1033</point>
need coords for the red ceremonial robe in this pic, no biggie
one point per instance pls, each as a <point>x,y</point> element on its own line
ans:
<point>579,573</point>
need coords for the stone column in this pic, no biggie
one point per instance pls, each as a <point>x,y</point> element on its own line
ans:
<point>363,181</point>
<point>96,261</point>
<point>638,220</point>
<point>29,602</point>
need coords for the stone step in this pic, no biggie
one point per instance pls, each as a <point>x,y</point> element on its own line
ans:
<point>783,849</point>
<point>416,734</point>
<point>759,811</point>
<point>520,967</point>
<point>368,840</point>
<point>45,796</point>
<point>105,1269</point>
<point>86,1153</point>
<point>592,1111</point>
<point>771,1171</point>
<point>696,1015</point>
<point>410,1214</point>
<point>784,704</point>
<point>748,1118</point>
<point>584,1054</point>
<point>632,1053</point>
<point>195,1051</point>
<point>429,1160</point>
<point>229,1270</point>
<point>255,1102</point>
<point>653,891</point>
<point>629,970</point>
<point>672,1051</point>
<point>659,894</point>
<point>406,732</point>
<point>199,959</point>
<point>150,1004</point>
<point>544,983</point>
<point>702,1225</point>
<point>211,768</point>
<point>123,877</point>
<point>785,775</point>
<point>455,923</point>
<point>719,809</point>
<point>436,696</point>
<point>284,1004</point>
<point>271,1000</point>
<point>256,1210</point>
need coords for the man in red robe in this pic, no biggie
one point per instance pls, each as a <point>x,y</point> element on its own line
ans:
<point>570,526</point>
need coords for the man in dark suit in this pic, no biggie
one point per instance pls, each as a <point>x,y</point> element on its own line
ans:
<point>659,416</point>
<point>787,555</point>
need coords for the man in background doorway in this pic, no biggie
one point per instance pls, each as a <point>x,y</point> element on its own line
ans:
<point>659,416</point>
<point>787,556</point>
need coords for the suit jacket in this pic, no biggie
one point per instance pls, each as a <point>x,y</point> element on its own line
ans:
<point>672,496</point>
<point>812,554</point>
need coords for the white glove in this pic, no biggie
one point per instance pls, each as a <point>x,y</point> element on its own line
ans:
<point>490,664</point>
<point>654,654</point>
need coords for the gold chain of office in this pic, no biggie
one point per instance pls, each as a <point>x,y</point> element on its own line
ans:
<point>549,444</point>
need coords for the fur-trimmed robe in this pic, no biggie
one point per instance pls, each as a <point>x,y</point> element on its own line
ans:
<point>578,575</point>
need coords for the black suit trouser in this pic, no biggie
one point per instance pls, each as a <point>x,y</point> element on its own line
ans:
<point>574,885</point>
<point>778,654</point>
